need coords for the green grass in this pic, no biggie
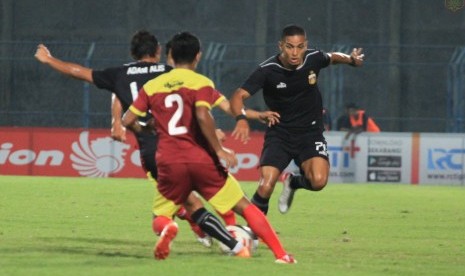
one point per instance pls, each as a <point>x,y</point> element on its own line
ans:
<point>81,226</point>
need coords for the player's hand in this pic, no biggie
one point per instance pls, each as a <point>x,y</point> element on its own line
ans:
<point>357,56</point>
<point>118,132</point>
<point>241,131</point>
<point>42,53</point>
<point>228,156</point>
<point>269,118</point>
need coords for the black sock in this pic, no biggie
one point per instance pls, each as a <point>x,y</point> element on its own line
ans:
<point>300,182</point>
<point>260,202</point>
<point>213,227</point>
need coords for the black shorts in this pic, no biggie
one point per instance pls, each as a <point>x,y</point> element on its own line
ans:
<point>280,147</point>
<point>148,146</point>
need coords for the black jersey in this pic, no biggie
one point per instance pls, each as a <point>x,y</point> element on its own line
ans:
<point>125,81</point>
<point>293,94</point>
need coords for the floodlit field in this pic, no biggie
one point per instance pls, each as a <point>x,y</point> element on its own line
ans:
<point>81,226</point>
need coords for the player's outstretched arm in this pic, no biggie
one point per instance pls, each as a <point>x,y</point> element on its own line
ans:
<point>70,69</point>
<point>354,59</point>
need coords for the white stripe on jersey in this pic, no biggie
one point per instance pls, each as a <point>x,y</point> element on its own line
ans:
<point>268,63</point>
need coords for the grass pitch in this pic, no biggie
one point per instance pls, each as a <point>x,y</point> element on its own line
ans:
<point>82,226</point>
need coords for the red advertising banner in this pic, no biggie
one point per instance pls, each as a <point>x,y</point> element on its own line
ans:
<point>93,153</point>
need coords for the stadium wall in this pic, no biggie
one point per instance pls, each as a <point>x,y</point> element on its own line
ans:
<point>388,157</point>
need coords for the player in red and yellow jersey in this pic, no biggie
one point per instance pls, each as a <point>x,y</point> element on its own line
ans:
<point>189,152</point>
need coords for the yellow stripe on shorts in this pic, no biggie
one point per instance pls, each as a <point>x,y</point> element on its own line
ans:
<point>161,205</point>
<point>228,196</point>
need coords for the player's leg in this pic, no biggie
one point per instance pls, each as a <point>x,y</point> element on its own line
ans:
<point>274,159</point>
<point>268,178</point>
<point>164,226</point>
<point>316,172</point>
<point>172,188</point>
<point>199,234</point>
<point>260,225</point>
<point>211,225</point>
<point>230,195</point>
<point>229,217</point>
<point>314,168</point>
<point>314,178</point>
<point>314,163</point>
<point>147,142</point>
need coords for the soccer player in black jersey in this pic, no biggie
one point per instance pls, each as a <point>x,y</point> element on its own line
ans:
<point>289,81</point>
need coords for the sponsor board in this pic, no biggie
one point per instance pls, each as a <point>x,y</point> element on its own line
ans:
<point>384,161</point>
<point>93,153</point>
<point>387,156</point>
<point>424,158</point>
<point>442,159</point>
<point>342,154</point>
<point>383,176</point>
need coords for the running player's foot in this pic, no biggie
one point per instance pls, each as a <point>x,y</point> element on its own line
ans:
<point>287,194</point>
<point>243,253</point>
<point>163,245</point>
<point>205,241</point>
<point>286,259</point>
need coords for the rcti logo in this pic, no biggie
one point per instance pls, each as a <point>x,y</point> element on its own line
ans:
<point>340,156</point>
<point>446,159</point>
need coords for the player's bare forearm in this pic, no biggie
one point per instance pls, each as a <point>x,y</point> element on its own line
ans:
<point>68,68</point>
<point>118,131</point>
<point>354,59</point>
<point>237,101</point>
<point>129,120</point>
<point>241,131</point>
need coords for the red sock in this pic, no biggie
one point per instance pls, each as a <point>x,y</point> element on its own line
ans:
<point>262,228</point>
<point>229,217</point>
<point>159,223</point>
<point>184,215</point>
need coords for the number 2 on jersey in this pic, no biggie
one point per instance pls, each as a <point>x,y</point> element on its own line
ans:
<point>173,129</point>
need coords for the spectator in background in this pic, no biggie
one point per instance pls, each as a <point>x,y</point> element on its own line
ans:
<point>356,120</point>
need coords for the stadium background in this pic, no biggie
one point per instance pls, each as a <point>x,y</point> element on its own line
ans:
<point>413,78</point>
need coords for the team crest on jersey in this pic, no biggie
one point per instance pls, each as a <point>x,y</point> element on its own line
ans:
<point>173,84</point>
<point>454,5</point>
<point>312,78</point>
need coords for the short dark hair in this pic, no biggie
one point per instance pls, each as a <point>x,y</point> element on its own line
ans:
<point>291,30</point>
<point>184,47</point>
<point>143,43</point>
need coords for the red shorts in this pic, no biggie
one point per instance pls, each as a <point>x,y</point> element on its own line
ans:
<point>176,181</point>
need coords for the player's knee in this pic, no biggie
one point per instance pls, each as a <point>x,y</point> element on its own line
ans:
<point>266,187</point>
<point>318,181</point>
